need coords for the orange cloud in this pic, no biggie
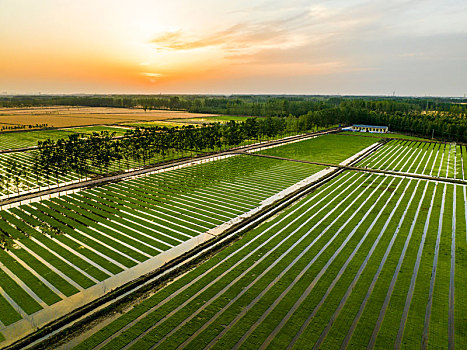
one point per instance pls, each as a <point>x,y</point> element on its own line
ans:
<point>240,36</point>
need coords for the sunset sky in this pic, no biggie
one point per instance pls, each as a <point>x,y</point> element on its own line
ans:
<point>255,46</point>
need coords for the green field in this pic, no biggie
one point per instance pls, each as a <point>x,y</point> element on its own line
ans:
<point>28,180</point>
<point>213,119</point>
<point>388,135</point>
<point>29,138</point>
<point>347,266</point>
<point>366,260</point>
<point>118,130</point>
<point>326,149</point>
<point>22,139</point>
<point>64,245</point>
<point>170,123</point>
<point>427,158</point>
<point>160,123</point>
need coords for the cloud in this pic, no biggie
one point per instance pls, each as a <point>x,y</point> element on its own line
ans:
<point>182,41</point>
<point>152,75</point>
<point>244,35</point>
<point>366,42</point>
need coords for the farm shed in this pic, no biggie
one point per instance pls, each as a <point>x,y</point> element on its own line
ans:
<point>370,128</point>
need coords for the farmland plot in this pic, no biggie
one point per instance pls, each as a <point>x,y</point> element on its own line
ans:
<point>60,247</point>
<point>331,148</point>
<point>72,116</point>
<point>15,140</point>
<point>27,179</point>
<point>29,138</point>
<point>16,182</point>
<point>327,148</point>
<point>368,260</point>
<point>438,159</point>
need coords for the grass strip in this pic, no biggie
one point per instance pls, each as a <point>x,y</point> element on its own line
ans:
<point>36,285</point>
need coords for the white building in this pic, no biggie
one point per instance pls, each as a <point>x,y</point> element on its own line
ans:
<point>370,128</point>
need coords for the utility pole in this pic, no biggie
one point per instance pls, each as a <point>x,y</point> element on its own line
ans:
<point>433,134</point>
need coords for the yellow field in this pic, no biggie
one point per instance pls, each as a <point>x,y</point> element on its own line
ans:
<point>62,116</point>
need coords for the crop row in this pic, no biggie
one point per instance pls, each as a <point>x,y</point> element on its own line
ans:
<point>28,139</point>
<point>333,148</point>
<point>349,265</point>
<point>434,159</point>
<point>60,246</point>
<point>17,171</point>
<point>15,140</point>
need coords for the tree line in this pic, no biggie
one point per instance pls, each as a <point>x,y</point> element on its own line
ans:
<point>442,117</point>
<point>91,154</point>
<point>249,105</point>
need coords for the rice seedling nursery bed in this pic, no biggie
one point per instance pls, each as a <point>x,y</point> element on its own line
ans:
<point>441,159</point>
<point>391,135</point>
<point>64,245</point>
<point>23,139</point>
<point>349,265</point>
<point>28,180</point>
<point>333,148</point>
<point>366,260</point>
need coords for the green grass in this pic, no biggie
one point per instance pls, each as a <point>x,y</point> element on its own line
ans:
<point>337,293</point>
<point>209,119</point>
<point>438,336</point>
<point>364,329</point>
<point>220,279</point>
<point>53,278</point>
<point>48,296</point>
<point>8,315</point>
<point>344,320</point>
<point>390,325</point>
<point>248,243</point>
<point>464,158</point>
<point>103,229</point>
<point>416,315</point>
<point>124,223</point>
<point>119,131</point>
<point>460,292</point>
<point>161,123</point>
<point>388,135</point>
<point>327,149</point>
<point>417,157</point>
<point>20,296</point>
<point>30,138</point>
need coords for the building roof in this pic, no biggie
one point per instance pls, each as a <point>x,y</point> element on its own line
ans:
<point>369,126</point>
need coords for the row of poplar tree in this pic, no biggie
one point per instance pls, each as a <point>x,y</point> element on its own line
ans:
<point>91,154</point>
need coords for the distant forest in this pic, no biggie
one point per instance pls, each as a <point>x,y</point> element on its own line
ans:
<point>443,118</point>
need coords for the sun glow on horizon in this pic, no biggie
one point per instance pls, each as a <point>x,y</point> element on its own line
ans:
<point>147,46</point>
